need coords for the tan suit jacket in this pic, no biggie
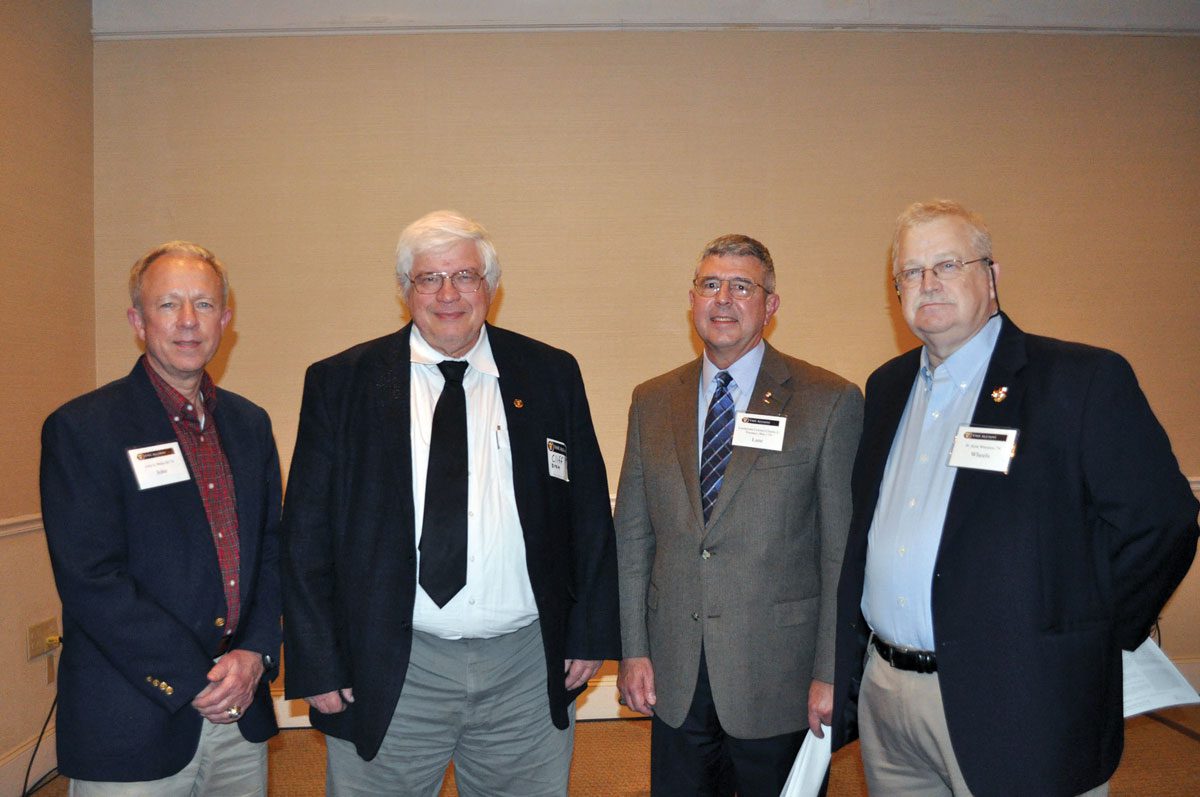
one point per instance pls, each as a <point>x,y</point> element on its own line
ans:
<point>757,585</point>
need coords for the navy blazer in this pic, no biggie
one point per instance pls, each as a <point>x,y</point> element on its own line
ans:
<point>140,584</point>
<point>1043,575</point>
<point>349,544</point>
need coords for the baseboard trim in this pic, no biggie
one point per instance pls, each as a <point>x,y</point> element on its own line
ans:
<point>14,762</point>
<point>23,524</point>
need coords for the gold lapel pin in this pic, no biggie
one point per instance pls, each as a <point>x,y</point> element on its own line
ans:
<point>518,403</point>
<point>767,398</point>
<point>1000,394</point>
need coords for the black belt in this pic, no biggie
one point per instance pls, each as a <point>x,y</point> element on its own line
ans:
<point>923,661</point>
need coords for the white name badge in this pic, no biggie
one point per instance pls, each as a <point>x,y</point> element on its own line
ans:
<point>158,465</point>
<point>759,431</point>
<point>556,455</point>
<point>983,448</point>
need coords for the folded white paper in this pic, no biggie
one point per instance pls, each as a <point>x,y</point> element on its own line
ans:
<point>1152,681</point>
<point>808,771</point>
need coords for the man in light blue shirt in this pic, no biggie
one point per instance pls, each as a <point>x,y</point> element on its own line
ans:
<point>1019,519</point>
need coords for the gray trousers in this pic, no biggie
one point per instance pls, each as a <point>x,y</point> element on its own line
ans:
<point>480,702</point>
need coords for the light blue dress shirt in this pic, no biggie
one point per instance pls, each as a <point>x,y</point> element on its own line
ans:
<point>744,373</point>
<point>915,493</point>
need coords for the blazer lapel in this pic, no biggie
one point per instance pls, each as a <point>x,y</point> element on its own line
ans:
<point>1008,359</point>
<point>773,379</point>
<point>388,382</point>
<point>237,442</point>
<point>687,446</point>
<point>520,398</point>
<point>888,398</point>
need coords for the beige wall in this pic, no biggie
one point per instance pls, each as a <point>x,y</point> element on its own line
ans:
<point>603,161</point>
<point>46,317</point>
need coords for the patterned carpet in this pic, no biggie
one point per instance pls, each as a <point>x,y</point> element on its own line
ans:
<point>612,759</point>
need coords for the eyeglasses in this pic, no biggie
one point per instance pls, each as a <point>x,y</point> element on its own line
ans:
<point>432,281</point>
<point>945,271</point>
<point>739,288</point>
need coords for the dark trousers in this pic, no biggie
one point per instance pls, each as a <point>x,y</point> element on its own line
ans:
<point>698,759</point>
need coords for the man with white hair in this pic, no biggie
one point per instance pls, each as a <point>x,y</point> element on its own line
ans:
<point>449,561</point>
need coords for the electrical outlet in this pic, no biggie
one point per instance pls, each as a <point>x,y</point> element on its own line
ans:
<point>43,638</point>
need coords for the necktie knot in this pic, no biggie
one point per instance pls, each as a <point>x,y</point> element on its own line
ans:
<point>723,379</point>
<point>453,370</point>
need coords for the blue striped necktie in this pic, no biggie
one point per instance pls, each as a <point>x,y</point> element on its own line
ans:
<point>718,443</point>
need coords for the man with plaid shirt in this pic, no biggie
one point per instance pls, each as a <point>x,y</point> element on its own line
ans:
<point>160,499</point>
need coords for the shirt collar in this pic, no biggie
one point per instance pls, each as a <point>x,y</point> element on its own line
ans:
<point>744,371</point>
<point>175,402</point>
<point>964,365</point>
<point>479,357</point>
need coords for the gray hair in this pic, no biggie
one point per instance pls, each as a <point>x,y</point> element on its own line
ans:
<point>439,230</point>
<point>743,246</point>
<point>184,248</point>
<point>922,212</point>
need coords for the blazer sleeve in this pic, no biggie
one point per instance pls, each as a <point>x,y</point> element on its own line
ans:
<point>315,659</point>
<point>593,626</point>
<point>83,497</point>
<point>1140,500</point>
<point>635,540</point>
<point>834,507</point>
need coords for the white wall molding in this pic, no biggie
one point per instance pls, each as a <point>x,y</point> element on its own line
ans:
<point>150,19</point>
<point>23,524</point>
<point>14,762</point>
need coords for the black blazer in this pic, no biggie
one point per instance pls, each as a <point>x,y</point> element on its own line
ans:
<point>140,585</point>
<point>1044,574</point>
<point>349,552</point>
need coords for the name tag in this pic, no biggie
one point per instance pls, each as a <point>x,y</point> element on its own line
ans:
<point>158,465</point>
<point>983,448</point>
<point>759,431</point>
<point>556,456</point>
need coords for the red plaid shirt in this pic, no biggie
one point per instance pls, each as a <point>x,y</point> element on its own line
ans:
<point>210,468</point>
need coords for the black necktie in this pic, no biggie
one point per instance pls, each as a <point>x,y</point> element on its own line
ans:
<point>444,529</point>
<point>718,443</point>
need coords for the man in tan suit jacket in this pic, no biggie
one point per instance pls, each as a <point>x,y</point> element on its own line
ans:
<point>729,566</point>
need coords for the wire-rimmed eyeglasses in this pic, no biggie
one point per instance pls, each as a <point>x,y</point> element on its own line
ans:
<point>739,287</point>
<point>945,271</point>
<point>431,281</point>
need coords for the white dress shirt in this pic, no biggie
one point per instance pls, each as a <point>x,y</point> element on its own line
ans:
<point>498,597</point>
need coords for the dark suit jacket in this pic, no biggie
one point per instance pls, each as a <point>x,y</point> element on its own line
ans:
<point>1044,574</point>
<point>350,575</point>
<point>140,585</point>
<point>757,585</point>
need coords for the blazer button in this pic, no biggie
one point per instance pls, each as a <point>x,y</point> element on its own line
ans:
<point>706,554</point>
<point>696,616</point>
<point>219,622</point>
<point>170,690</point>
<point>155,681</point>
